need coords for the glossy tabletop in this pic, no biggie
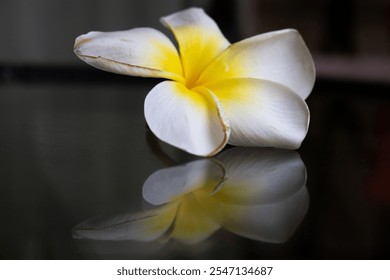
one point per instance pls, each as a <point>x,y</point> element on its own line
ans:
<point>82,177</point>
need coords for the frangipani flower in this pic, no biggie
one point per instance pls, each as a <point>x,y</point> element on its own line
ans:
<point>250,93</point>
<point>257,194</point>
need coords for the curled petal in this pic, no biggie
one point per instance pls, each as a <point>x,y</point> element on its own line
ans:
<point>279,56</point>
<point>199,38</point>
<point>140,52</point>
<point>192,121</point>
<point>262,113</point>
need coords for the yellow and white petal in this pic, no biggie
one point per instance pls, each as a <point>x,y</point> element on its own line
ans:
<point>140,52</point>
<point>186,119</point>
<point>199,38</point>
<point>279,56</point>
<point>262,113</point>
<point>168,184</point>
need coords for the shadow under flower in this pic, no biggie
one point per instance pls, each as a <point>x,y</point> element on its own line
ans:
<point>255,193</point>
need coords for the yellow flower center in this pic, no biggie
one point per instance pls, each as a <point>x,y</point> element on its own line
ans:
<point>198,49</point>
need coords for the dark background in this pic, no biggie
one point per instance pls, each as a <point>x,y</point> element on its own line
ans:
<point>74,143</point>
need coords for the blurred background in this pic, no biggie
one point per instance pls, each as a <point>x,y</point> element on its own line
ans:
<point>349,39</point>
<point>74,143</point>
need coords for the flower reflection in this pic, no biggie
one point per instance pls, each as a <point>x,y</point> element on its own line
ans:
<point>255,193</point>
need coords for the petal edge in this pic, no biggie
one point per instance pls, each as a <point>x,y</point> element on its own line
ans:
<point>142,52</point>
<point>263,113</point>
<point>279,56</point>
<point>188,120</point>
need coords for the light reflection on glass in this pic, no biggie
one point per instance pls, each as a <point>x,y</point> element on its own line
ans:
<point>259,194</point>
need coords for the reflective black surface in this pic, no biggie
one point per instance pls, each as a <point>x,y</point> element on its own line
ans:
<point>81,177</point>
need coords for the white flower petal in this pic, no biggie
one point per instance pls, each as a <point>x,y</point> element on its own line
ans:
<point>199,38</point>
<point>139,52</point>
<point>165,185</point>
<point>279,56</point>
<point>192,121</point>
<point>262,113</point>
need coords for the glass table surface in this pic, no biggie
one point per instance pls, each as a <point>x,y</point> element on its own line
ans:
<point>82,177</point>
